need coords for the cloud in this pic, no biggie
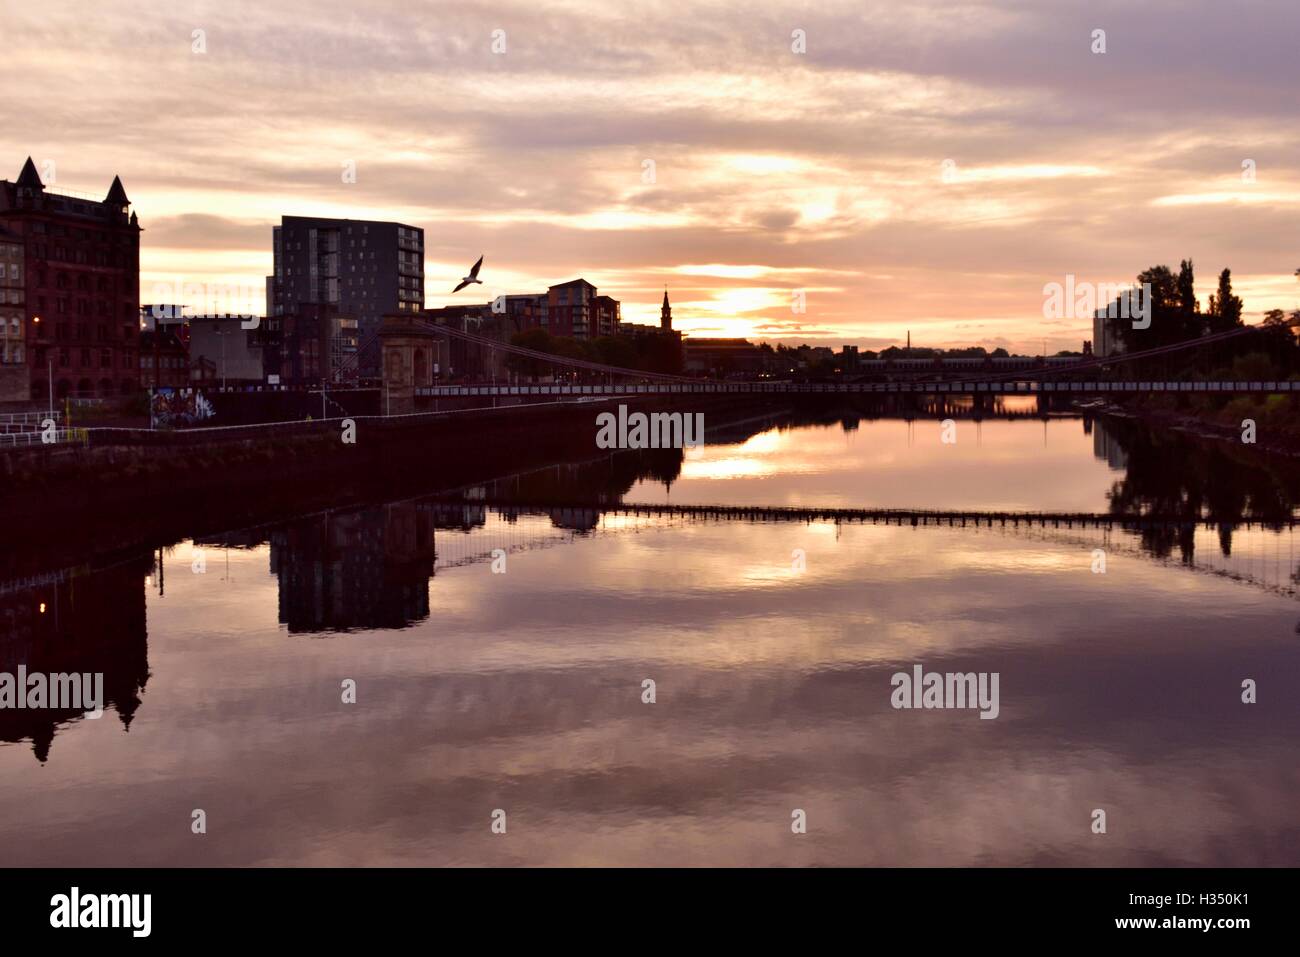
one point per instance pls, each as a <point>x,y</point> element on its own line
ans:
<point>828,166</point>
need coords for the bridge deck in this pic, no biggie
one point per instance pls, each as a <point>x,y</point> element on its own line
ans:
<point>887,516</point>
<point>1019,387</point>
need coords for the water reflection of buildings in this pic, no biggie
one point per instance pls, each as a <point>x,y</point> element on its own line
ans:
<point>1106,448</point>
<point>575,519</point>
<point>368,568</point>
<point>82,622</point>
<point>477,518</point>
<point>1193,483</point>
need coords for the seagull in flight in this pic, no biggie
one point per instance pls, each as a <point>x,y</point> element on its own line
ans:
<point>472,277</point>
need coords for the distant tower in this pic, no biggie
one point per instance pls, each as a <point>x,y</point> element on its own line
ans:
<point>666,314</point>
<point>909,340</point>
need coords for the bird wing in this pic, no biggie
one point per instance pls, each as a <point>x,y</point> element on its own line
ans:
<point>473,273</point>
<point>461,286</point>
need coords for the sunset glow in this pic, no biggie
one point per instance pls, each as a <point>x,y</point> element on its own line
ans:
<point>925,170</point>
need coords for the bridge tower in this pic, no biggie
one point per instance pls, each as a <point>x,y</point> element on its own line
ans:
<point>411,353</point>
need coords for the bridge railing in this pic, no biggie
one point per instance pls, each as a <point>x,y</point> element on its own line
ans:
<point>1015,387</point>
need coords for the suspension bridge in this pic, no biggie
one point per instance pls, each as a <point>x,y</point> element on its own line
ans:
<point>920,387</point>
<point>542,375</point>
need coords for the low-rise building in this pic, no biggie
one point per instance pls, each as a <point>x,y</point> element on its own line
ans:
<point>526,312</point>
<point>220,346</point>
<point>722,357</point>
<point>1107,339</point>
<point>164,359</point>
<point>170,317</point>
<point>312,343</point>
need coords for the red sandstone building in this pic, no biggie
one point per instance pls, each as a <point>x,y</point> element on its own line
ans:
<point>164,359</point>
<point>82,286</point>
<point>15,384</point>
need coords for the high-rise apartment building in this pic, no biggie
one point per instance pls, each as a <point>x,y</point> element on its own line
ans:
<point>357,268</point>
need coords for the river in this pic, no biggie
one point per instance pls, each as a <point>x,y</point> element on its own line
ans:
<point>530,672</point>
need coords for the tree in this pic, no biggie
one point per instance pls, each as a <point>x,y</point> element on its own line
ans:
<point>1188,308</point>
<point>1166,317</point>
<point>1225,308</point>
<point>1279,338</point>
<point>537,339</point>
<point>616,351</point>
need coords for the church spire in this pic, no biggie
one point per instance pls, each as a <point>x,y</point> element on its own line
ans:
<point>666,314</point>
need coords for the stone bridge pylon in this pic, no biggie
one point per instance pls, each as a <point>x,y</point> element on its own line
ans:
<point>411,358</point>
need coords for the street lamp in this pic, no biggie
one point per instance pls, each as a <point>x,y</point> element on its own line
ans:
<point>221,337</point>
<point>36,321</point>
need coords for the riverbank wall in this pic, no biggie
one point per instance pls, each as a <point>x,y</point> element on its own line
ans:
<point>73,497</point>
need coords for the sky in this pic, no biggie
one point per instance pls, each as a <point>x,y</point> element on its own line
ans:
<point>921,166</point>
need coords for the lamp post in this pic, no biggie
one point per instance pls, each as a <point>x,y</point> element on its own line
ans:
<point>36,322</point>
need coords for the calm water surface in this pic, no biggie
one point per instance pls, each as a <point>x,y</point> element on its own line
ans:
<point>522,691</point>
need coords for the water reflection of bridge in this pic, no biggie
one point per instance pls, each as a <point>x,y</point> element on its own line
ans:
<point>1256,551</point>
<point>334,579</point>
<point>373,568</point>
<point>875,516</point>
